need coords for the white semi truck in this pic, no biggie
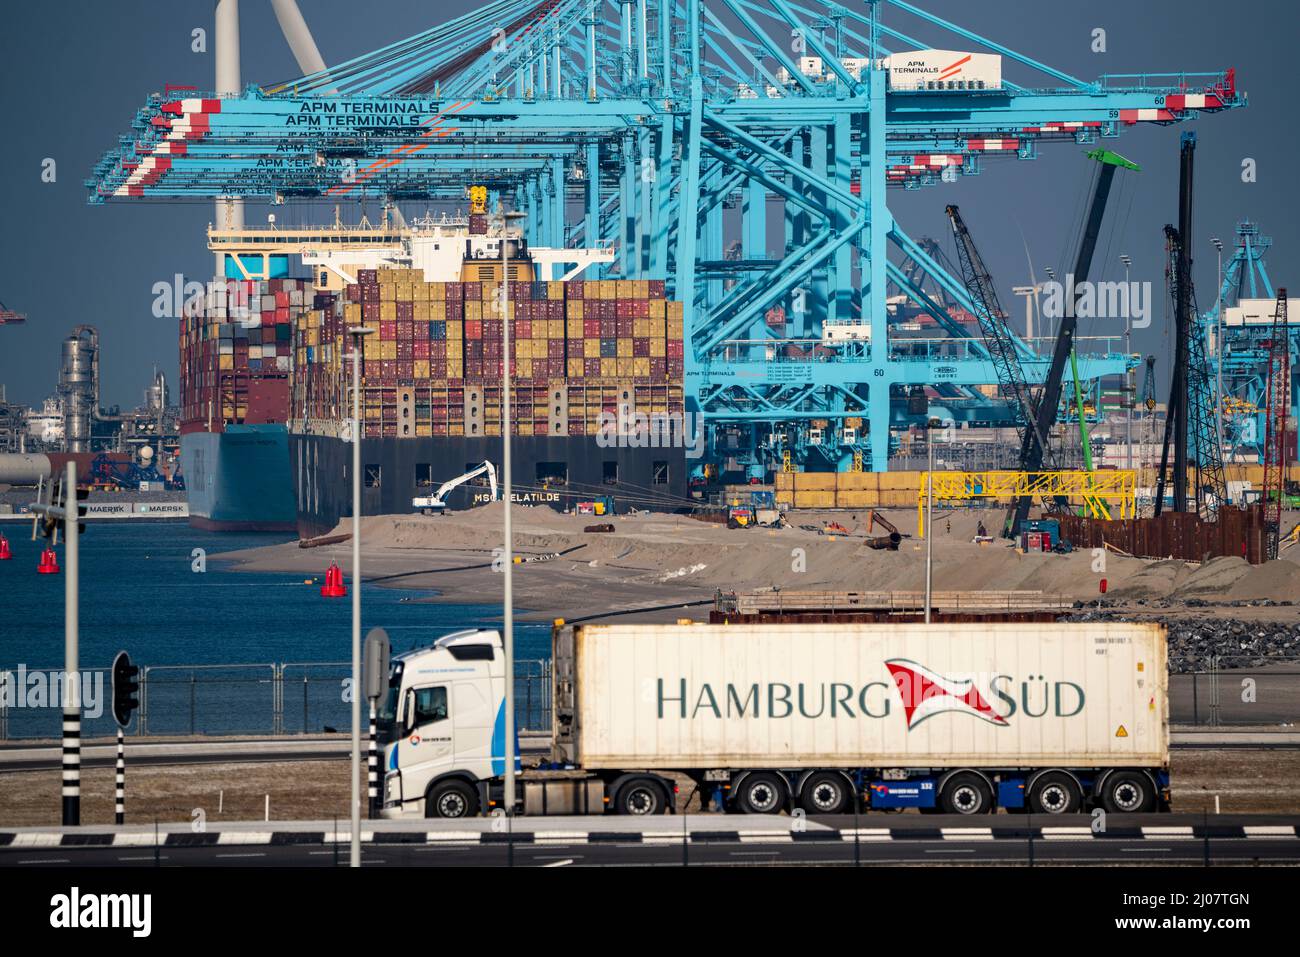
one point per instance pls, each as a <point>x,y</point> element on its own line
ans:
<point>959,718</point>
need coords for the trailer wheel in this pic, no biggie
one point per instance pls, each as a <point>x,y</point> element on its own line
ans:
<point>966,793</point>
<point>761,793</point>
<point>642,797</point>
<point>1054,792</point>
<point>454,798</point>
<point>1128,792</point>
<point>824,793</point>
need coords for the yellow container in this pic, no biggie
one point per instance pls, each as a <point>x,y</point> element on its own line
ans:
<point>640,367</point>
<point>422,368</point>
<point>388,310</point>
<point>575,368</point>
<point>640,328</point>
<point>555,328</point>
<point>657,308</point>
<point>814,481</point>
<point>658,348</point>
<point>591,348</point>
<point>625,348</point>
<point>573,309</point>
<point>857,498</point>
<point>437,291</point>
<point>387,292</point>
<point>814,499</point>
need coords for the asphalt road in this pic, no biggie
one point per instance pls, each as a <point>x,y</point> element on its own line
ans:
<point>1217,852</point>
<point>714,840</point>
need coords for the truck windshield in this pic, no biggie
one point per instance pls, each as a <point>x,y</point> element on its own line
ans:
<point>386,716</point>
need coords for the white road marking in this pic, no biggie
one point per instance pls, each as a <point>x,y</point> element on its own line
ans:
<point>966,833</point>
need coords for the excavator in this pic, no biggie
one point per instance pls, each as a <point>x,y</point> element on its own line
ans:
<point>436,504</point>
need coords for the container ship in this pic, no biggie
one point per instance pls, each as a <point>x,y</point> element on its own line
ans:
<point>597,404</point>
<point>236,346</point>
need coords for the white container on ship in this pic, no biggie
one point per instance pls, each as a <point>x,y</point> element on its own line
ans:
<point>944,70</point>
<point>869,695</point>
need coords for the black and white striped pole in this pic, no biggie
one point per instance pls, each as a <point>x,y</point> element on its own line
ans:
<point>72,664</point>
<point>119,793</point>
<point>376,686</point>
<point>372,765</point>
<point>126,686</point>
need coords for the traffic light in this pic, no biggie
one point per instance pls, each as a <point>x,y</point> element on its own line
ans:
<point>126,688</point>
<point>50,519</point>
<point>81,495</point>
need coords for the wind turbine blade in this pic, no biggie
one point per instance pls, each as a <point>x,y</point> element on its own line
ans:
<point>298,35</point>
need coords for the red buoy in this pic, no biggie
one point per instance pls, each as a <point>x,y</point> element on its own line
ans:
<point>333,587</point>
<point>5,554</point>
<point>49,564</point>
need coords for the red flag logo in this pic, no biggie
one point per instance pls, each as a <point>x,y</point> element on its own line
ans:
<point>926,693</point>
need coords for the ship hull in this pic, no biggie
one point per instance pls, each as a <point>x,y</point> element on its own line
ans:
<point>644,478</point>
<point>239,480</point>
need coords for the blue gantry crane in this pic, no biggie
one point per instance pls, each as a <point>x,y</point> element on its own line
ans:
<point>671,131</point>
<point>1240,325</point>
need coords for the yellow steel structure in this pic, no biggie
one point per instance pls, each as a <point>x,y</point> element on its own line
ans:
<point>1100,492</point>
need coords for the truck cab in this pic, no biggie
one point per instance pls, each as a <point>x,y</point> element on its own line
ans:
<point>442,726</point>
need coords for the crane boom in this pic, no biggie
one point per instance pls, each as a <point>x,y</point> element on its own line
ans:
<point>993,326</point>
<point>1277,409</point>
<point>1033,449</point>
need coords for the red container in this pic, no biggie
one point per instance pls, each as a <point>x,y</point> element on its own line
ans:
<point>370,311</point>
<point>437,349</point>
<point>405,310</point>
<point>388,329</point>
<point>522,330</point>
<point>574,289</point>
<point>591,328</point>
<point>406,329</point>
<point>675,350</point>
<point>421,348</point>
<point>656,288</point>
<point>640,347</point>
<point>474,329</point>
<point>555,349</point>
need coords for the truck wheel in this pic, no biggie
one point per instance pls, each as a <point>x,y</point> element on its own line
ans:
<point>1128,792</point>
<point>824,793</point>
<point>642,797</point>
<point>451,799</point>
<point>966,793</point>
<point>1054,793</point>
<point>761,793</point>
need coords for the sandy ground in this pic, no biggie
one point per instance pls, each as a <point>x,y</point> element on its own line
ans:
<point>665,560</point>
<point>1262,782</point>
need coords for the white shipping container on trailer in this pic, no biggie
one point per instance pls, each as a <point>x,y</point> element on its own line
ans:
<point>870,695</point>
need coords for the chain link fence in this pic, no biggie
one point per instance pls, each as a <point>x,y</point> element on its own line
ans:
<point>309,697</point>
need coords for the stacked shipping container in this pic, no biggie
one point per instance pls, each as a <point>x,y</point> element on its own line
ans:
<point>236,348</point>
<point>433,359</point>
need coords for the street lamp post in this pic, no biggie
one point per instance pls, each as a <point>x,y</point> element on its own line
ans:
<point>1130,389</point>
<point>930,426</point>
<point>357,333</point>
<point>508,615</point>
